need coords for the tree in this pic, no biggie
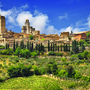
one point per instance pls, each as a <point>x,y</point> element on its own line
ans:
<point>82,47</point>
<point>31,37</point>
<point>17,51</point>
<point>51,46</point>
<point>81,42</point>
<point>32,47</point>
<point>41,46</point>
<point>75,47</point>
<point>48,46</point>
<point>66,47</point>
<point>22,44</point>
<point>88,34</point>
<point>6,46</point>
<point>69,47</point>
<point>28,45</point>
<point>14,45</point>
<point>61,47</point>
<point>58,47</point>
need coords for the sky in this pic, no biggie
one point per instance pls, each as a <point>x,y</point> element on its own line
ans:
<point>47,16</point>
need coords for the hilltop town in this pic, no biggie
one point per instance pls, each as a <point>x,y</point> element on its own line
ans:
<point>9,36</point>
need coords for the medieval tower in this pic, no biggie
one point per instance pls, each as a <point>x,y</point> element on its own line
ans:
<point>2,24</point>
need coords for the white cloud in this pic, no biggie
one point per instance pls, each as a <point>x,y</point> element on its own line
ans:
<point>62,17</point>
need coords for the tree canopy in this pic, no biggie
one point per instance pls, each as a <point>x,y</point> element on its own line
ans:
<point>31,37</point>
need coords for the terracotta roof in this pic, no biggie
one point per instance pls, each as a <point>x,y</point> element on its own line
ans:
<point>82,32</point>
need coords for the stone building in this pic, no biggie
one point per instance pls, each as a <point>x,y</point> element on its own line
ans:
<point>27,29</point>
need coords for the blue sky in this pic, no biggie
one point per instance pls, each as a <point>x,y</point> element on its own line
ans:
<point>48,16</point>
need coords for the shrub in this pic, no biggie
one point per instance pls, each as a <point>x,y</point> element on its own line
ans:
<point>17,51</point>
<point>80,56</point>
<point>34,54</point>
<point>0,52</point>
<point>36,70</point>
<point>20,70</point>
<point>59,54</point>
<point>85,78</point>
<point>52,53</point>
<point>27,53</point>
<point>70,71</point>
<point>62,72</point>
<point>85,53</point>
<point>63,59</point>
<point>77,75</point>
<point>71,52</point>
<point>49,69</point>
<point>73,57</point>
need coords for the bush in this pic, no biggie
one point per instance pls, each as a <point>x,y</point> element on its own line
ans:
<point>85,78</point>
<point>80,56</point>
<point>27,53</point>
<point>34,54</point>
<point>17,51</point>
<point>62,72</point>
<point>73,57</point>
<point>36,70</point>
<point>71,52</point>
<point>63,59</point>
<point>52,53</point>
<point>59,54</point>
<point>77,75</point>
<point>70,71</point>
<point>20,70</point>
<point>85,53</point>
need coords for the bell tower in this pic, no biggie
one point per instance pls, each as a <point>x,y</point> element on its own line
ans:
<point>2,24</point>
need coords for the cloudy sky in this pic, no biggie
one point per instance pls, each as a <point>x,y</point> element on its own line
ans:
<point>47,16</point>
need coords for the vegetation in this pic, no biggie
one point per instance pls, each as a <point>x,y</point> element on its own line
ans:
<point>31,37</point>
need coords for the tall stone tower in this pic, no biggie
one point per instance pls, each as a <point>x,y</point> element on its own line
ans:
<point>2,24</point>
<point>27,24</point>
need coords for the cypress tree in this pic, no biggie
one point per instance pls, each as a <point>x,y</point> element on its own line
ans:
<point>14,45</point>
<point>51,46</point>
<point>61,47</point>
<point>28,45</point>
<point>82,48</point>
<point>66,48</point>
<point>6,46</point>
<point>58,47</point>
<point>36,46</point>
<point>41,46</point>
<point>22,44</point>
<point>69,48</point>
<point>32,46</point>
<point>48,45</point>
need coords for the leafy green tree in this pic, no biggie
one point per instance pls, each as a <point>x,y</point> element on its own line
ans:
<point>21,53</point>
<point>27,53</point>
<point>64,47</point>
<point>41,46</point>
<point>14,45</point>
<point>81,42</point>
<point>28,45</point>
<point>17,51</point>
<point>88,34</point>
<point>31,37</point>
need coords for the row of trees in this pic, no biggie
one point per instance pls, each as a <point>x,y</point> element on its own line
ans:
<point>53,47</point>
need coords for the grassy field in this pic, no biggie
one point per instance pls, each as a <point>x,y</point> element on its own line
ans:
<point>42,82</point>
